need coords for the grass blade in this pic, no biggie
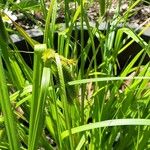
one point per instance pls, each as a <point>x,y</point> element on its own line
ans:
<point>64,98</point>
<point>84,81</point>
<point>10,122</point>
<point>40,86</point>
<point>48,19</point>
<point>107,123</point>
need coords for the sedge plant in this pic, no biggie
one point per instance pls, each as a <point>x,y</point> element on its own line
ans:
<point>69,99</point>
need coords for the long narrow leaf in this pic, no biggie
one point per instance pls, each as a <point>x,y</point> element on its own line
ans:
<point>84,81</point>
<point>10,123</point>
<point>40,86</point>
<point>107,123</point>
<point>64,97</point>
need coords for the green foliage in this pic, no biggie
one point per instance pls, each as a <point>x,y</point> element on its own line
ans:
<point>70,100</point>
<point>27,5</point>
<point>2,3</point>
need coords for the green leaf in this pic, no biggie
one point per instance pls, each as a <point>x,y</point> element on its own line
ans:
<point>2,3</point>
<point>63,96</point>
<point>107,123</point>
<point>24,34</point>
<point>102,6</point>
<point>134,36</point>
<point>27,5</point>
<point>41,78</point>
<point>84,81</point>
<point>10,123</point>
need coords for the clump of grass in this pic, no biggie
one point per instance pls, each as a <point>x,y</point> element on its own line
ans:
<point>63,103</point>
